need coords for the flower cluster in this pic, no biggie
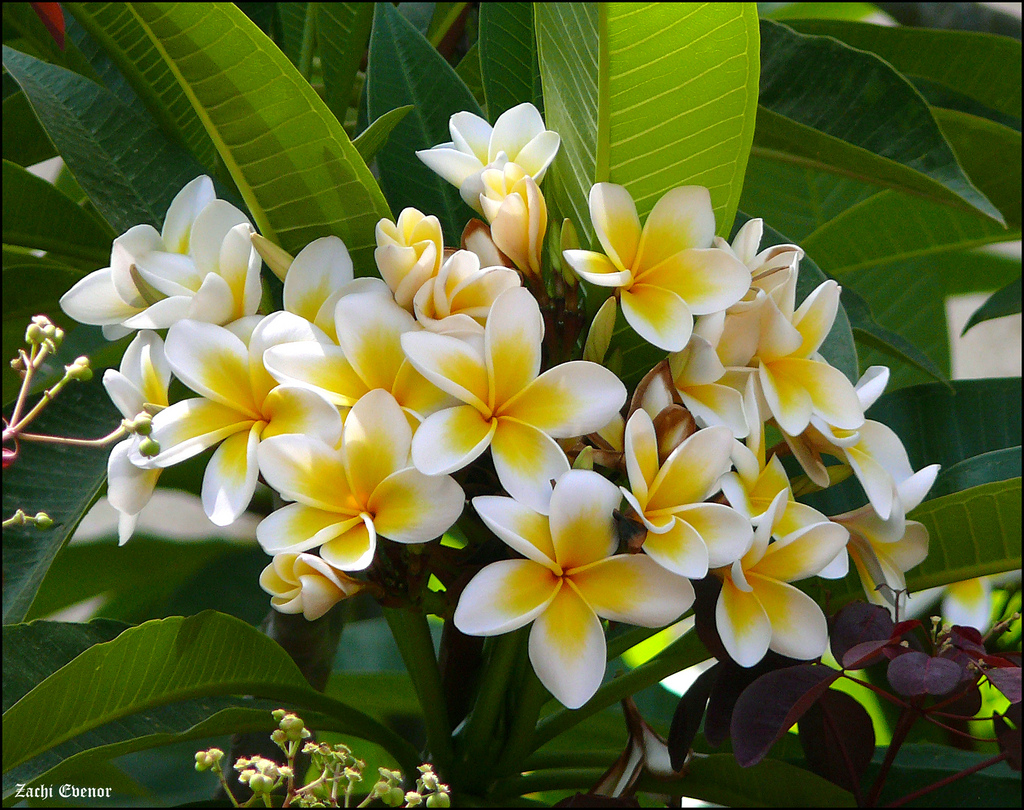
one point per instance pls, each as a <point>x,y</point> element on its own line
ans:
<point>374,407</point>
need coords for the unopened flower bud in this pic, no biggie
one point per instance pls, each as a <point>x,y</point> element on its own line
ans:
<point>261,783</point>
<point>43,520</point>
<point>413,799</point>
<point>285,772</point>
<point>79,370</point>
<point>143,424</point>
<point>34,334</point>
<point>277,258</point>
<point>202,761</point>
<point>50,331</point>
<point>58,336</point>
<point>148,447</point>
<point>393,797</point>
<point>18,364</point>
<point>17,519</point>
<point>439,800</point>
<point>278,714</point>
<point>279,736</point>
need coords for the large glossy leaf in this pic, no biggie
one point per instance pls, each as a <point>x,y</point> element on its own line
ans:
<point>649,97</point>
<point>24,141</point>
<point>343,30</point>
<point>129,169</point>
<point>984,67</point>
<point>290,158</point>
<point>162,662</point>
<point>36,215</point>
<point>468,70</point>
<point>405,69</point>
<point>60,480</point>
<point>371,139</point>
<point>822,107</point>
<point>984,468</point>
<point>508,56</point>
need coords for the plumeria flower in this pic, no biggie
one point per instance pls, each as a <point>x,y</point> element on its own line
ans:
<point>969,603</point>
<point>665,273</point>
<point>369,326</point>
<point>306,584</point>
<point>316,280</point>
<point>570,579</point>
<point>514,206</point>
<point>142,380</point>
<point>345,497</point>
<point>408,253</point>
<point>794,381</point>
<point>460,296</point>
<point>507,406</point>
<point>883,550</point>
<point>698,373</point>
<point>873,451</point>
<point>202,266</point>
<point>518,136</point>
<point>239,404</point>
<point>758,610</point>
<point>684,534</point>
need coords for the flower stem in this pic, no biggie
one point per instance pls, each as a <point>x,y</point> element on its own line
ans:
<point>917,794</point>
<point>899,734</point>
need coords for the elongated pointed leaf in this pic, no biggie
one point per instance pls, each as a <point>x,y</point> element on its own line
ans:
<point>343,32</point>
<point>129,169</point>
<point>59,480</point>
<point>290,158</point>
<point>1005,301</point>
<point>404,69</point>
<point>24,141</point>
<point>38,216</point>
<point>374,137</point>
<point>469,71</point>
<point>984,468</point>
<point>651,98</point>
<point>162,662</point>
<point>508,57</point>
<point>984,67</point>
<point>831,107</point>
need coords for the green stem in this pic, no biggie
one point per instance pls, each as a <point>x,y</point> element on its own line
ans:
<point>575,778</point>
<point>682,653</point>
<point>480,726</point>
<point>531,698</point>
<point>305,65</point>
<point>412,635</point>
<point>550,760</point>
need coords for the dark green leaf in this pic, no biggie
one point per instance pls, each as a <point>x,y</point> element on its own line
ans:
<point>59,480</point>
<point>508,56</point>
<point>469,71</point>
<point>25,142</point>
<point>441,21</point>
<point>343,31</point>
<point>985,468</point>
<point>1001,303</point>
<point>163,662</point>
<point>292,19</point>
<point>129,169</point>
<point>831,107</point>
<point>374,137</point>
<point>38,216</point>
<point>959,16</point>
<point>982,66</point>
<point>405,69</point>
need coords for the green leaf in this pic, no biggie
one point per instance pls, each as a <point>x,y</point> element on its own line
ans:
<point>290,158</point>
<point>719,779</point>
<point>343,31</point>
<point>650,98</point>
<point>469,71</point>
<point>24,141</point>
<point>444,17</point>
<point>996,465</point>
<point>371,139</point>
<point>508,56</point>
<point>800,11</point>
<point>830,107</point>
<point>982,66</point>
<point>38,216</point>
<point>162,662</point>
<point>1005,301</point>
<point>405,69</point>
<point>59,480</point>
<point>292,19</point>
<point>129,169</point>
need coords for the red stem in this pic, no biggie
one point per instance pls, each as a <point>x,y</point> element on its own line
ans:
<point>917,794</point>
<point>899,734</point>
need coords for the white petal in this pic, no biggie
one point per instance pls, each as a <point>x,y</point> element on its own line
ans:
<point>505,596</point>
<point>567,649</point>
<point>208,232</point>
<point>184,209</point>
<point>321,268</point>
<point>633,588</point>
<point>93,300</point>
<point>230,478</point>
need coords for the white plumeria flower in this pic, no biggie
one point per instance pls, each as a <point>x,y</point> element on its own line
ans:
<point>969,603</point>
<point>408,253</point>
<point>143,379</point>
<point>883,550</point>
<point>873,451</point>
<point>758,610</point>
<point>459,298</point>
<point>699,377</point>
<point>316,280</point>
<point>518,137</point>
<point>239,405</point>
<point>306,584</point>
<point>202,267</point>
<point>665,273</point>
<point>345,497</point>
<point>369,326</point>
<point>570,580</point>
<point>508,407</point>
<point>684,534</point>
<point>514,206</point>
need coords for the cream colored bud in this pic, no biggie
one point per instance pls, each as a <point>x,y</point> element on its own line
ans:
<point>518,215</point>
<point>599,338</point>
<point>408,253</point>
<point>277,258</point>
<point>149,447</point>
<point>43,521</point>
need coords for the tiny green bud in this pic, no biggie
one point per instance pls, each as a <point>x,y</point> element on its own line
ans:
<point>143,424</point>
<point>58,336</point>
<point>148,447</point>
<point>17,519</point>
<point>79,373</point>
<point>393,797</point>
<point>43,521</point>
<point>202,761</point>
<point>34,334</point>
<point>260,783</point>
<point>279,736</point>
<point>50,331</point>
<point>215,754</point>
<point>413,799</point>
<point>18,364</point>
<point>438,800</point>
<point>278,714</point>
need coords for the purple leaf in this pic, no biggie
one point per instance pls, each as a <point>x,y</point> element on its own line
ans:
<point>857,623</point>
<point>915,673</point>
<point>1007,681</point>
<point>864,654</point>
<point>837,722</point>
<point>1009,741</point>
<point>772,704</point>
<point>687,717</point>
